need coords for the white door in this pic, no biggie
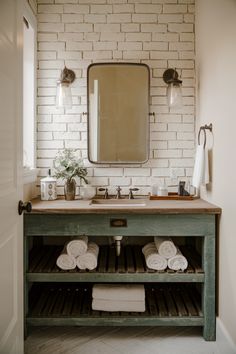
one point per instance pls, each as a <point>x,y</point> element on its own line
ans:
<point>11,224</point>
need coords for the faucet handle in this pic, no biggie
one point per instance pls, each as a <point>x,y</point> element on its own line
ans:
<point>131,190</point>
<point>106,192</point>
<point>118,195</point>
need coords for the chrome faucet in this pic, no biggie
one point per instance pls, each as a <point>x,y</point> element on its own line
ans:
<point>131,190</point>
<point>106,196</point>
<point>118,195</point>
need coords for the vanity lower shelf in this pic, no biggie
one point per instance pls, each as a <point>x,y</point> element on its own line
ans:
<point>129,266</point>
<point>70,304</point>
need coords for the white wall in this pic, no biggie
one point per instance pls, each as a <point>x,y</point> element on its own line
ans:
<point>216,71</point>
<point>79,32</point>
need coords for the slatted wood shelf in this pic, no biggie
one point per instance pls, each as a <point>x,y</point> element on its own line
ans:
<point>129,266</point>
<point>70,304</point>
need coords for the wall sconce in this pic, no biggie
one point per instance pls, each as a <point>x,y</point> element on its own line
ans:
<point>64,96</point>
<point>174,92</point>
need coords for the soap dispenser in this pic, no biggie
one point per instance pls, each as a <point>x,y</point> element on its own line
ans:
<point>48,187</point>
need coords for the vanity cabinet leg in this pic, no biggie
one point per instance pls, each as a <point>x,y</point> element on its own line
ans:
<point>208,292</point>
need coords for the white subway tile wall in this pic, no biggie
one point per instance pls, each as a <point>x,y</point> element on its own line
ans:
<point>76,33</point>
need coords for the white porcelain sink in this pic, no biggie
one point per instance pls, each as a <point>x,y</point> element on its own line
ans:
<point>118,202</point>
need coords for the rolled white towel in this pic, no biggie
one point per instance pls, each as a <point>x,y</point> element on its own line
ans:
<point>165,246</point>
<point>65,261</point>
<point>178,262</point>
<point>153,259</point>
<point>89,260</point>
<point>115,305</point>
<point>121,292</point>
<point>77,246</point>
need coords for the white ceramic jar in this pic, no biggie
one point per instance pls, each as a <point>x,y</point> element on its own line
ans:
<point>48,187</point>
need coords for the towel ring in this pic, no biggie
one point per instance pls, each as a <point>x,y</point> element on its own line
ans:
<point>199,134</point>
<point>203,128</point>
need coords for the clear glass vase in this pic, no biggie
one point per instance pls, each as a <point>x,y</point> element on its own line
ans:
<point>70,189</point>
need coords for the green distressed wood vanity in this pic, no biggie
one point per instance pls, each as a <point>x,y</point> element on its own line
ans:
<point>56,297</point>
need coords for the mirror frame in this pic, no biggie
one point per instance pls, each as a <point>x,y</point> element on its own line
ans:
<point>148,119</point>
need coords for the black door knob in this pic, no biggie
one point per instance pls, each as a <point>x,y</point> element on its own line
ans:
<point>27,206</point>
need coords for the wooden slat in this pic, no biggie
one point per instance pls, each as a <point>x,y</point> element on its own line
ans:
<point>179,302</point>
<point>44,261</point>
<point>76,308</point>
<point>35,259</point>
<point>59,303</point>
<point>188,303</point>
<point>111,260</point>
<point>170,303</point>
<point>159,295</point>
<point>121,262</point>
<point>66,300</point>
<point>138,259</point>
<point>42,299</point>
<point>103,259</point>
<point>54,294</point>
<point>193,258</point>
<point>86,301</point>
<point>129,260</point>
<point>151,303</point>
<point>196,298</point>
<point>52,261</point>
<point>68,304</point>
<point>55,268</point>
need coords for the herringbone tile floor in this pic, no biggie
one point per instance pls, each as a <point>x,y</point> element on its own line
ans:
<point>114,340</point>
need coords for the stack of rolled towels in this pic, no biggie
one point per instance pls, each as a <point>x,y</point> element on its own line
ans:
<point>163,253</point>
<point>118,297</point>
<point>78,252</point>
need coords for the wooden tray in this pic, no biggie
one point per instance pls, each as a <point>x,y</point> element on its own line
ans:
<point>173,196</point>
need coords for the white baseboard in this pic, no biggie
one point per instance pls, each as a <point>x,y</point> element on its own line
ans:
<point>224,341</point>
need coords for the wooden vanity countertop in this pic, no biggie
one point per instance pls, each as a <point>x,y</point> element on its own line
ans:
<point>77,206</point>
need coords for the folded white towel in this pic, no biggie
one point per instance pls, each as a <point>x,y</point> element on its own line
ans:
<point>165,246</point>
<point>121,292</point>
<point>178,262</point>
<point>77,246</point>
<point>66,262</point>
<point>89,260</point>
<point>153,259</point>
<point>115,305</point>
<point>201,167</point>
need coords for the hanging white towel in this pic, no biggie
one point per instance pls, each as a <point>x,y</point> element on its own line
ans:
<point>178,262</point>
<point>165,246</point>
<point>77,246</point>
<point>206,176</point>
<point>89,260</point>
<point>65,261</point>
<point>121,292</point>
<point>116,305</point>
<point>153,259</point>
<point>201,167</point>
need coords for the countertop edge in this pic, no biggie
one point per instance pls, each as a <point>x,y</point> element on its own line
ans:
<point>198,206</point>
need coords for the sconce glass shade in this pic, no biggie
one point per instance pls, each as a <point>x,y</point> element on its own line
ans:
<point>64,97</point>
<point>174,91</point>
<point>174,95</point>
